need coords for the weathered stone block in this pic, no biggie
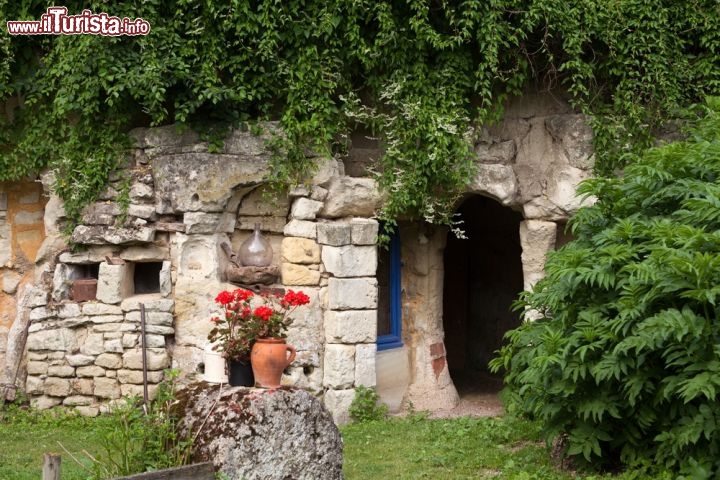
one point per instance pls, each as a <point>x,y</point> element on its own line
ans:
<point>116,327</point>
<point>201,222</point>
<point>109,360</point>
<point>106,388</point>
<point>94,344</point>
<point>300,228</point>
<point>82,386</point>
<point>574,134</point>
<point>166,279</point>
<point>151,318</point>
<point>106,319</point>
<point>142,211</point>
<point>60,371</point>
<point>100,213</point>
<point>136,376</point>
<point>267,224</point>
<point>95,308</point>
<point>114,283</point>
<point>495,181</point>
<point>157,359</point>
<point>75,400</point>
<point>57,387</point>
<point>63,339</point>
<point>491,152</point>
<point>80,360</point>
<point>151,304</point>
<point>339,366</point>
<point>199,181</point>
<point>10,282</point>
<point>90,371</point>
<point>45,402</point>
<point>293,274</point>
<point>37,368</point>
<point>37,297</point>
<point>365,371</point>
<point>338,402</point>
<point>348,196</point>
<point>39,313</point>
<point>364,231</point>
<point>101,235</point>
<point>319,193</point>
<point>155,341</point>
<point>283,434</point>
<point>334,233</point>
<point>350,260</point>
<point>257,203</point>
<point>350,326</point>
<point>252,275</point>
<point>130,340</point>
<point>352,294</point>
<point>145,253</point>
<point>140,191</point>
<point>305,209</point>
<point>300,250</point>
<point>537,238</point>
<point>159,330</point>
<point>34,385</point>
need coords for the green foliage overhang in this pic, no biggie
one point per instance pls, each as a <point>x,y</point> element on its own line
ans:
<point>421,73</point>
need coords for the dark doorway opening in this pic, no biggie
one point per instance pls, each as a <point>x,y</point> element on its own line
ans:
<point>483,276</point>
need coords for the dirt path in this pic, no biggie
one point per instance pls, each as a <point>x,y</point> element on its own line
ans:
<point>478,396</point>
<point>473,405</point>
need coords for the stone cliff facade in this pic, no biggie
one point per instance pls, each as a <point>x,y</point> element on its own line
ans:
<point>168,252</point>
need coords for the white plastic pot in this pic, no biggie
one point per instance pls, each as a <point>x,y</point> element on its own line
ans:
<point>214,366</point>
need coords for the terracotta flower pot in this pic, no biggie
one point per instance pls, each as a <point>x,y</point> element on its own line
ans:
<point>269,357</point>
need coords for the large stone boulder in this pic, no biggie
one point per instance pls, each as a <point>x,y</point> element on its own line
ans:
<point>250,433</point>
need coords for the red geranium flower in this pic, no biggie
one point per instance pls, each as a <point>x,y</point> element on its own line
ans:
<point>224,297</point>
<point>264,312</point>
<point>241,322</point>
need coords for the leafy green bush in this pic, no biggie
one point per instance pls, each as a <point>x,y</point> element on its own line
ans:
<point>426,71</point>
<point>365,407</point>
<point>624,362</point>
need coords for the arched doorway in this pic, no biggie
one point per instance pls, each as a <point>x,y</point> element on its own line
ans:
<point>483,276</point>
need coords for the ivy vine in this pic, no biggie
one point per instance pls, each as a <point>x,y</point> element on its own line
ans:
<point>422,73</point>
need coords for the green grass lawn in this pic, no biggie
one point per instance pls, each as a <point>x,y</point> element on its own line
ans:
<point>26,436</point>
<point>399,448</point>
<point>461,448</point>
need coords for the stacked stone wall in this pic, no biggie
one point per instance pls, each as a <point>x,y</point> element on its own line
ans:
<point>187,205</point>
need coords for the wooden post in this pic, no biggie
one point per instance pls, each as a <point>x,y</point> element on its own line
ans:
<point>51,467</point>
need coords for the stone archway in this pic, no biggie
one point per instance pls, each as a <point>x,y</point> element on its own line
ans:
<point>483,276</point>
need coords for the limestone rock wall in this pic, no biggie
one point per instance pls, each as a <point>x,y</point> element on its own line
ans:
<point>185,205</point>
<point>22,232</point>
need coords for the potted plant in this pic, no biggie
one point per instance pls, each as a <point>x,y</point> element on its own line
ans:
<point>234,334</point>
<point>271,354</point>
<point>256,332</point>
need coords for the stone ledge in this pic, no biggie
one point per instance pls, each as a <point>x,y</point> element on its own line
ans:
<point>252,275</point>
